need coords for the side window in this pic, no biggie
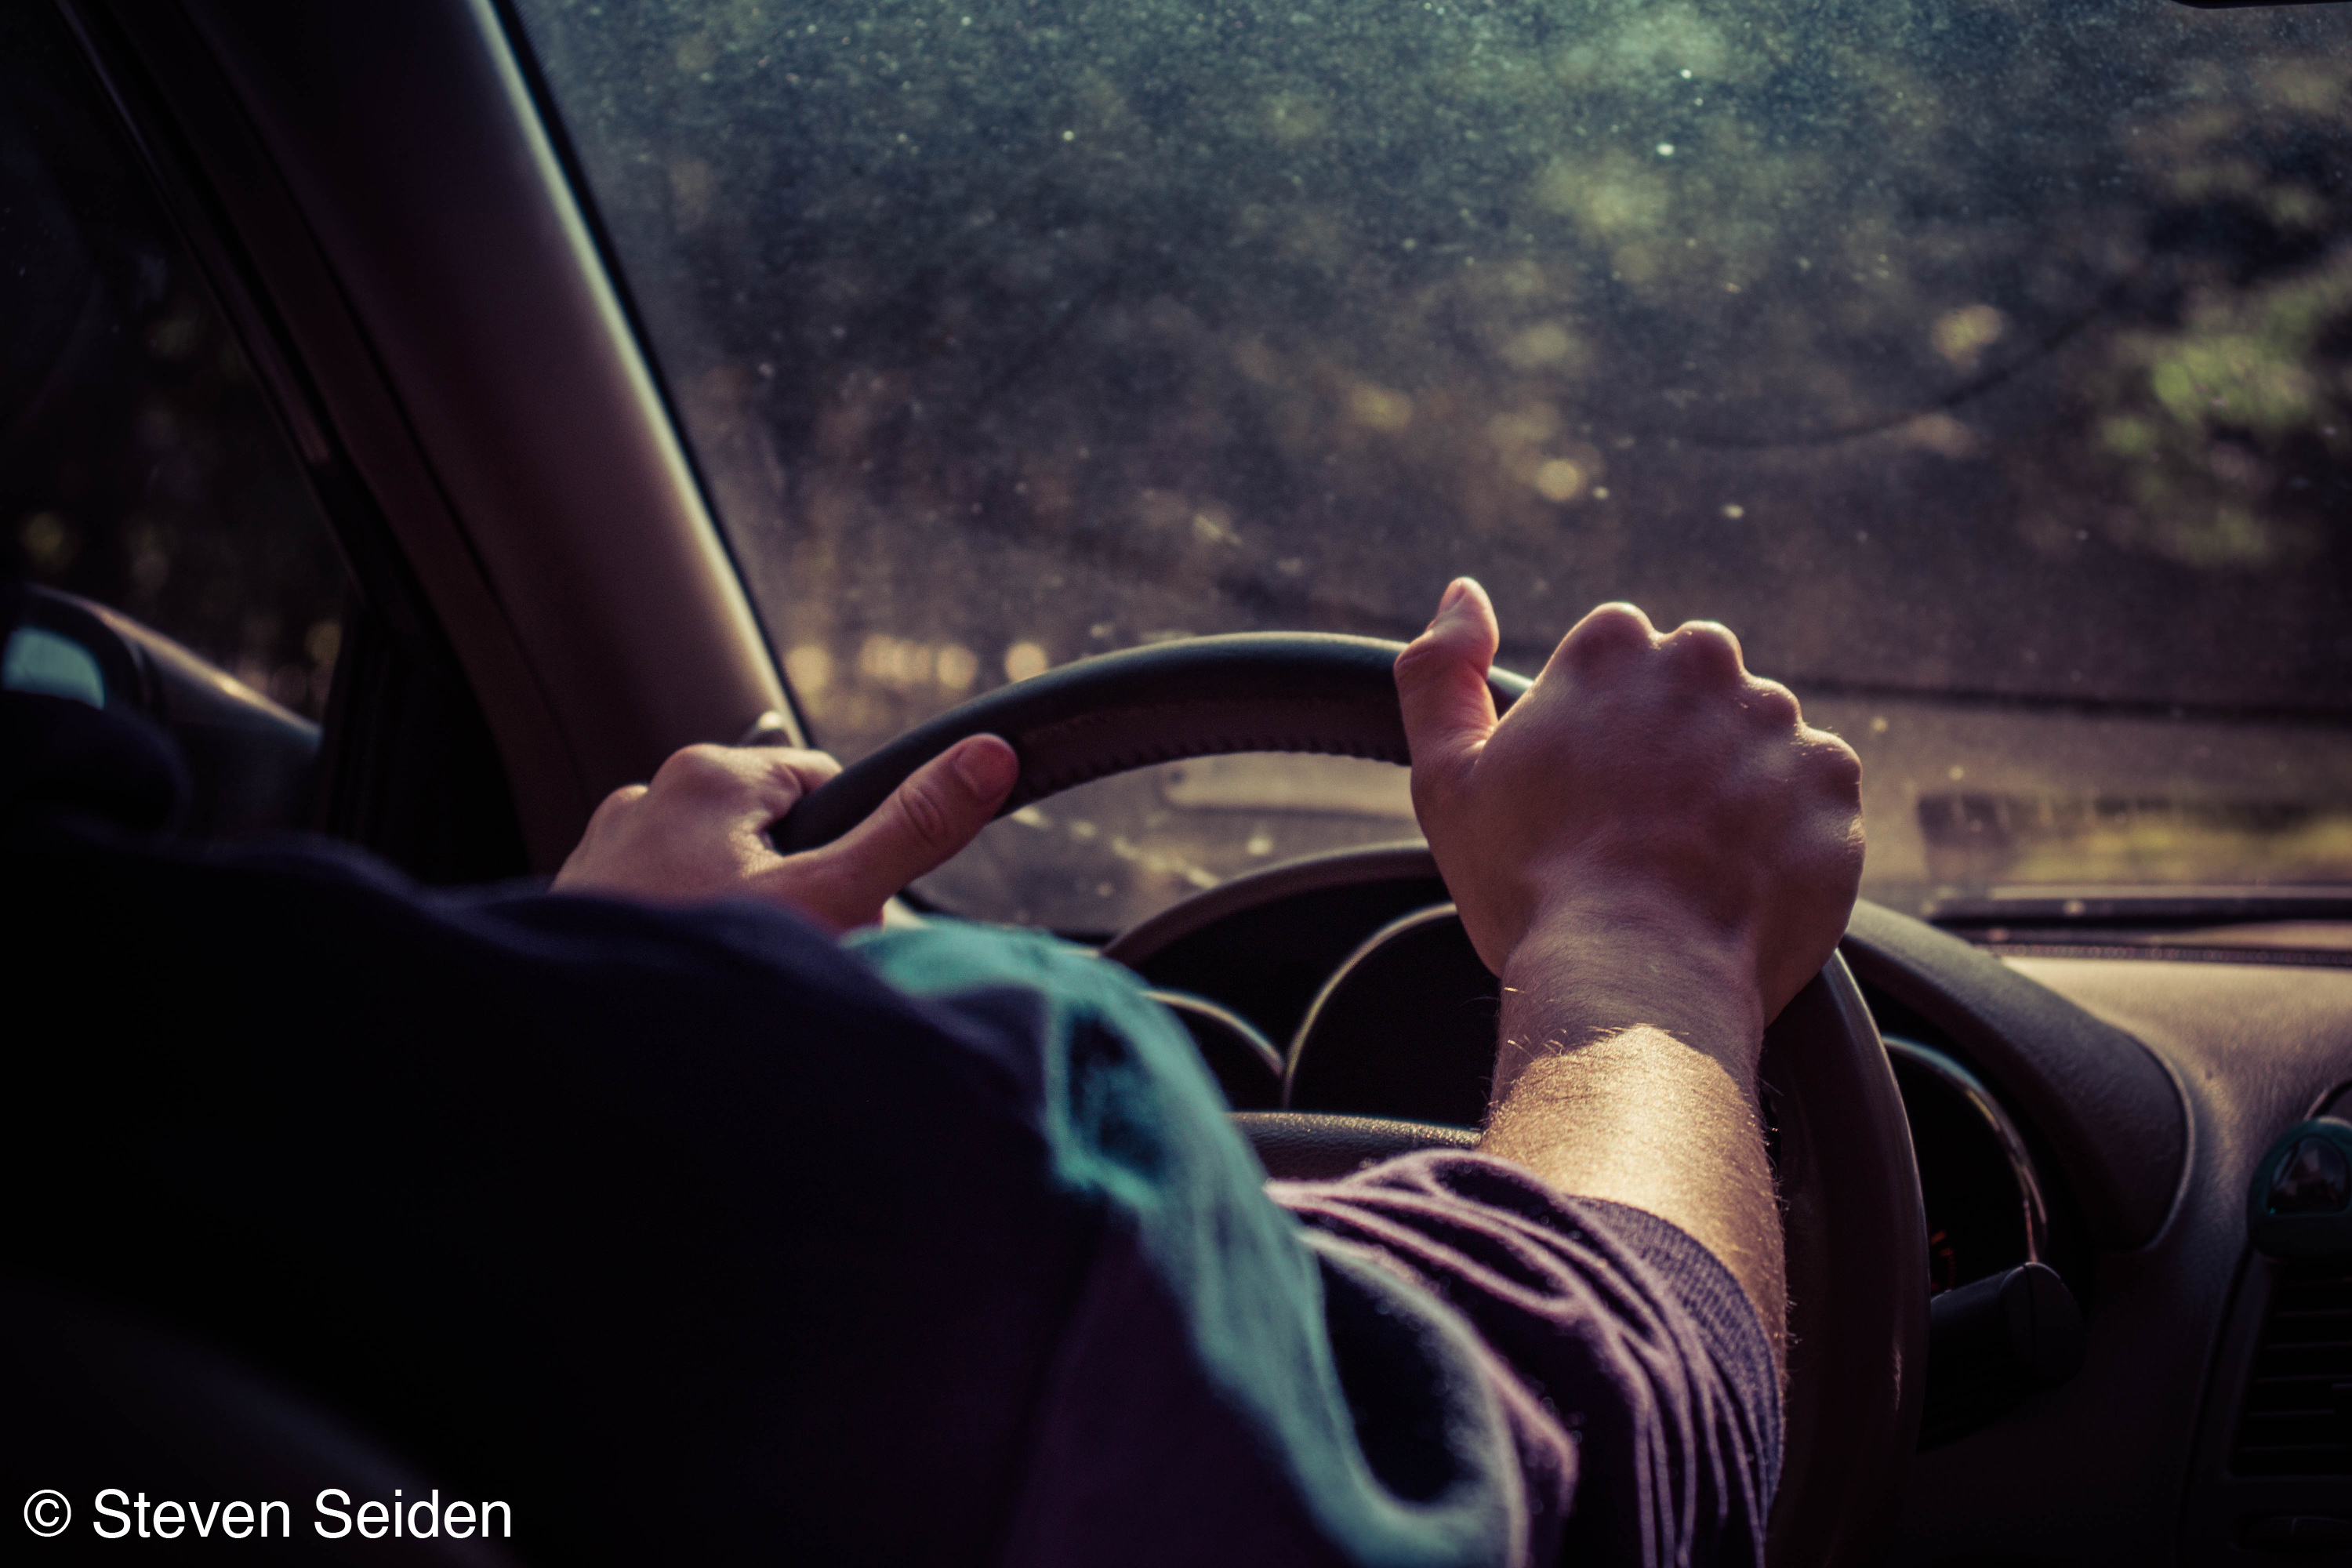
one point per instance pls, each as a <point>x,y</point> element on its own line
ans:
<point>139,464</point>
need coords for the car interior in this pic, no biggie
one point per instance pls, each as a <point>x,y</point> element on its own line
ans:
<point>2066,1155</point>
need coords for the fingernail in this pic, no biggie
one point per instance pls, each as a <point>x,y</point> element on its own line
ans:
<point>986,771</point>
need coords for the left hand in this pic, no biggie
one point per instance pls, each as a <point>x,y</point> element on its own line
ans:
<point>699,831</point>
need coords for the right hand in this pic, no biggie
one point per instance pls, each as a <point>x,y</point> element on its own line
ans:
<point>1660,823</point>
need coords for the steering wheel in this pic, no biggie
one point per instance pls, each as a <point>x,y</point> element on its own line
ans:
<point>1856,1238</point>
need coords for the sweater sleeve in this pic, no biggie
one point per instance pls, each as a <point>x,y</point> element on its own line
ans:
<point>1633,1371</point>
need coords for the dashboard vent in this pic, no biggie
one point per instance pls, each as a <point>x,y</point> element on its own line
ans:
<point>2298,1417</point>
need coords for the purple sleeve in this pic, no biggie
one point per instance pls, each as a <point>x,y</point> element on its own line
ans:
<point>1634,1374</point>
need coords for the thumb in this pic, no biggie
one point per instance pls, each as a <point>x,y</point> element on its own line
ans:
<point>924,824</point>
<point>1440,680</point>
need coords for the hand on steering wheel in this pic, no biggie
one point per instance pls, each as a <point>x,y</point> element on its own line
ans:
<point>1649,798</point>
<point>699,830</point>
<point>1654,855</point>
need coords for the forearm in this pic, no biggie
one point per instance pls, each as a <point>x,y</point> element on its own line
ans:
<point>1655,853</point>
<point>1630,1075</point>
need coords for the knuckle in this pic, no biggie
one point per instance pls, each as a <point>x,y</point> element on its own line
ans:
<point>1708,648</point>
<point>695,768</point>
<point>1835,763</point>
<point>1445,648</point>
<point>926,816</point>
<point>1612,628</point>
<point>615,806</point>
<point>1423,658</point>
<point>1774,704</point>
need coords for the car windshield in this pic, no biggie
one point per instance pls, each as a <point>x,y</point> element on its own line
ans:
<point>1985,364</point>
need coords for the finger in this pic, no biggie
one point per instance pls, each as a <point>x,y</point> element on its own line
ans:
<point>1441,679</point>
<point>776,776</point>
<point>755,786</point>
<point>938,811</point>
<point>807,769</point>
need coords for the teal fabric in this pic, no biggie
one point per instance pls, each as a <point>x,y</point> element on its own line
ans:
<point>49,665</point>
<point>1137,1126</point>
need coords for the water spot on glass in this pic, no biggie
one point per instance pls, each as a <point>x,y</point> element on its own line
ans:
<point>1559,479</point>
<point>1024,659</point>
<point>956,668</point>
<point>1381,407</point>
<point>809,667</point>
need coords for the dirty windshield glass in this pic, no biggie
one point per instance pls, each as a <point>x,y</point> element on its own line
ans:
<point>1985,364</point>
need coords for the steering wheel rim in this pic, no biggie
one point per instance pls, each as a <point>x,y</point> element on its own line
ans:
<point>1851,1216</point>
<point>1199,696</point>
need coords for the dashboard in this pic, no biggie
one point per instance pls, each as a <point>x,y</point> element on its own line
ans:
<point>2089,1104</point>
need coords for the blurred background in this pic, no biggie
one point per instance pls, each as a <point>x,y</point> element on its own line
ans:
<point>1984,365</point>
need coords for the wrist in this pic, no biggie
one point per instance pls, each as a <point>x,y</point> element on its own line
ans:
<point>1587,969</point>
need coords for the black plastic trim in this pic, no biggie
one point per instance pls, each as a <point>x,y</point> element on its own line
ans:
<point>2110,1113</point>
